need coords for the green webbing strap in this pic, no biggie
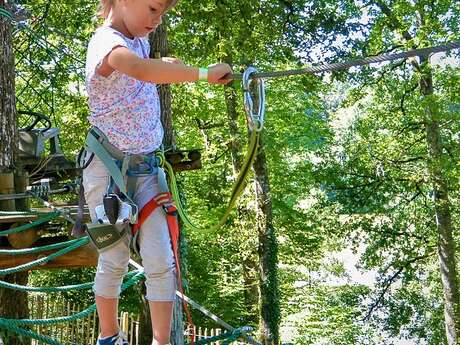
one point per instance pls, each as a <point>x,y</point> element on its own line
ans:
<point>236,190</point>
<point>5,13</point>
<point>24,227</point>
<point>96,147</point>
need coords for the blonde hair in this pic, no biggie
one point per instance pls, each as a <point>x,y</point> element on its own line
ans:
<point>105,6</point>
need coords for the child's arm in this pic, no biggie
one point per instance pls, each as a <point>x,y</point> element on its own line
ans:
<point>157,71</point>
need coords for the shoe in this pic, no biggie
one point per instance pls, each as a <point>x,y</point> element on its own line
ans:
<point>117,339</point>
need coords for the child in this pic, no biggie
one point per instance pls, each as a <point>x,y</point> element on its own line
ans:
<point>124,105</point>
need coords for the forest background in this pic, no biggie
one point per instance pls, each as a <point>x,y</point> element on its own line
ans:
<point>352,171</point>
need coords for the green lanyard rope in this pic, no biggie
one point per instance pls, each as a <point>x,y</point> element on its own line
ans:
<point>255,119</point>
<point>237,189</point>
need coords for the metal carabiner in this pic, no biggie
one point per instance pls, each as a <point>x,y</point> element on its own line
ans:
<point>256,120</point>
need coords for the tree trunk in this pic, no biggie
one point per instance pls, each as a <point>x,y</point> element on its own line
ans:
<point>442,204</point>
<point>13,304</point>
<point>159,48</point>
<point>268,253</point>
<point>8,130</point>
<point>446,243</point>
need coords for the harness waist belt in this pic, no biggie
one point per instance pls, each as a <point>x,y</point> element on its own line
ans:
<point>116,153</point>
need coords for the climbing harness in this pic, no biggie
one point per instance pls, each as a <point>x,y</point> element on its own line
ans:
<point>119,215</point>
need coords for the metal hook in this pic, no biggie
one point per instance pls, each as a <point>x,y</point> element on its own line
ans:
<point>256,120</point>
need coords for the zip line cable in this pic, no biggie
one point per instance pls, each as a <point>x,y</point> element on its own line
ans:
<point>352,63</point>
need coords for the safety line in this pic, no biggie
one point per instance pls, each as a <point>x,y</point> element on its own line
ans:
<point>352,63</point>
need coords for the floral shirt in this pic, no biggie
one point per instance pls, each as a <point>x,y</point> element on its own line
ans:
<point>125,109</point>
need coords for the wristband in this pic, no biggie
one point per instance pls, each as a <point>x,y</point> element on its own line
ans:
<point>203,74</point>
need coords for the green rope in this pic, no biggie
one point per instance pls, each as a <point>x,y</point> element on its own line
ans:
<point>37,249</point>
<point>83,286</point>
<point>28,333</point>
<point>236,190</point>
<point>81,242</point>
<point>11,324</point>
<point>5,13</point>
<point>24,227</point>
<point>137,276</point>
<point>23,288</point>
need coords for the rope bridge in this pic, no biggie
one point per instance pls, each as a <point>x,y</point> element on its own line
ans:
<point>131,278</point>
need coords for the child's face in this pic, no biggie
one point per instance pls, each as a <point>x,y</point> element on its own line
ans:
<point>141,17</point>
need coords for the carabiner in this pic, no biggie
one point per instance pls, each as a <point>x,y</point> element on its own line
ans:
<point>256,120</point>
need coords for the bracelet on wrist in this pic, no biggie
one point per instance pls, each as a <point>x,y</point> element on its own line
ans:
<point>203,74</point>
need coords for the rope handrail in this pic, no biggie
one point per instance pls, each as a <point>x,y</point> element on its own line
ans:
<point>79,315</point>
<point>12,324</point>
<point>25,227</point>
<point>81,242</point>
<point>47,289</point>
<point>5,13</point>
<point>14,252</point>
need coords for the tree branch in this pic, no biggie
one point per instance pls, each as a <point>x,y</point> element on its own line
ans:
<point>389,281</point>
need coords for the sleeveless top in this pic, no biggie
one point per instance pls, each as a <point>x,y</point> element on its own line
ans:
<point>125,109</point>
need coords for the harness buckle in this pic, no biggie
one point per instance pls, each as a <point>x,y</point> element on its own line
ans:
<point>116,211</point>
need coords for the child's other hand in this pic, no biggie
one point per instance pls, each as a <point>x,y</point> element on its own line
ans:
<point>217,71</point>
<point>172,60</point>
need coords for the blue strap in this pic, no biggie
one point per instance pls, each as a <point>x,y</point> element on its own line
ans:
<point>96,147</point>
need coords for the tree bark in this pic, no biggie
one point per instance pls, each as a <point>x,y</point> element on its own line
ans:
<point>442,204</point>
<point>446,244</point>
<point>159,48</point>
<point>13,304</point>
<point>268,253</point>
<point>8,130</point>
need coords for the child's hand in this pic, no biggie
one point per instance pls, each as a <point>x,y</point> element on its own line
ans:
<point>217,71</point>
<point>172,60</point>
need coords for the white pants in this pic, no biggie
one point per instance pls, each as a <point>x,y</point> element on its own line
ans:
<point>154,241</point>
